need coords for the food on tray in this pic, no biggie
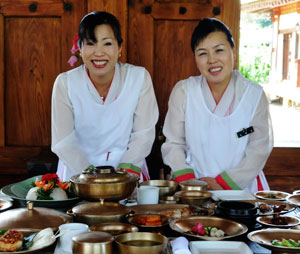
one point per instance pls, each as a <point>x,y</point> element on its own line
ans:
<point>11,240</point>
<point>213,231</point>
<point>184,212</point>
<point>278,220</point>
<point>286,243</point>
<point>151,220</point>
<point>265,208</point>
<point>50,188</point>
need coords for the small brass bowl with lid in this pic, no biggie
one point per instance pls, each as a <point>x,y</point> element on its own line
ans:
<point>104,182</point>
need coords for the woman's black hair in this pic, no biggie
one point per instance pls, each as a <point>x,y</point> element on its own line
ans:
<point>207,26</point>
<point>86,30</point>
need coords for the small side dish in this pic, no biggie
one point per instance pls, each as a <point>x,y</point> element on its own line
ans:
<point>212,231</point>
<point>286,243</point>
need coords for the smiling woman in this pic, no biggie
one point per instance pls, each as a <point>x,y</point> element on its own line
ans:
<point>217,127</point>
<point>103,112</point>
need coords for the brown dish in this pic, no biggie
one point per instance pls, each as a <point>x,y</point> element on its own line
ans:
<point>231,228</point>
<point>277,220</point>
<point>265,236</point>
<point>271,195</point>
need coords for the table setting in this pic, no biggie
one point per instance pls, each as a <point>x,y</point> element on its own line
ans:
<point>111,212</point>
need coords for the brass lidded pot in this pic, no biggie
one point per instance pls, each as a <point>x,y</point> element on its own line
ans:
<point>33,219</point>
<point>92,243</point>
<point>97,212</point>
<point>104,182</point>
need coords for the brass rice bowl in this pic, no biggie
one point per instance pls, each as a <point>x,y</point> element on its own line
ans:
<point>141,242</point>
<point>193,197</point>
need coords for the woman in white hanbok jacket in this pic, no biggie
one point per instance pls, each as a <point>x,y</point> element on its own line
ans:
<point>218,126</point>
<point>103,112</point>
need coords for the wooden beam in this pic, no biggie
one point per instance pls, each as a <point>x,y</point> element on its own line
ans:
<point>2,125</point>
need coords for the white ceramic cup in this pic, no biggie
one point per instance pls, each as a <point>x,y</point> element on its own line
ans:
<point>147,195</point>
<point>68,230</point>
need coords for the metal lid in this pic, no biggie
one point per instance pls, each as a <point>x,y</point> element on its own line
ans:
<point>93,237</point>
<point>33,218</point>
<point>101,174</point>
<point>100,208</point>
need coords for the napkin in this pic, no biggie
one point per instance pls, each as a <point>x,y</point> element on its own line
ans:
<point>180,245</point>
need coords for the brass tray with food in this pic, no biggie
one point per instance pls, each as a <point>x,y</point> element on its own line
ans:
<point>173,211</point>
<point>208,228</point>
<point>270,207</point>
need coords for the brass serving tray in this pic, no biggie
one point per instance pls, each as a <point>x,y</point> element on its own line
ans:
<point>231,228</point>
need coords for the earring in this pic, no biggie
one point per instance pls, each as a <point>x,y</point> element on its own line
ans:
<point>120,55</point>
<point>80,54</point>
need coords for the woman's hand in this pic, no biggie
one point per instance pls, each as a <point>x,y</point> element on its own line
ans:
<point>212,183</point>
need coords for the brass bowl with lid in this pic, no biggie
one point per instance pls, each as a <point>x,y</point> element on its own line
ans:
<point>92,213</point>
<point>33,219</point>
<point>104,183</point>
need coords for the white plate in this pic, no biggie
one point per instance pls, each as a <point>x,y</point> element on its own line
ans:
<point>217,247</point>
<point>232,195</point>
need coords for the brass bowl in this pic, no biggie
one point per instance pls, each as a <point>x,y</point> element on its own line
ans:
<point>114,228</point>
<point>166,188</point>
<point>231,228</point>
<point>104,183</point>
<point>92,242</point>
<point>193,197</point>
<point>264,238</point>
<point>169,200</point>
<point>141,242</point>
<point>193,184</point>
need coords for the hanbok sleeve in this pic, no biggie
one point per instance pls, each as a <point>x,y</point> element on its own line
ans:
<point>257,151</point>
<point>64,142</point>
<point>143,130</point>
<point>174,148</point>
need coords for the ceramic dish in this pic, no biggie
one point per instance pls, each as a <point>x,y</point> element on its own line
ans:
<point>267,221</point>
<point>5,204</point>
<point>272,204</point>
<point>265,236</point>
<point>271,195</point>
<point>231,228</point>
<point>231,195</point>
<point>217,247</point>
<point>296,192</point>
<point>173,211</point>
<point>18,192</point>
<point>294,199</point>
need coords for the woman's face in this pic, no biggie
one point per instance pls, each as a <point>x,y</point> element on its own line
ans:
<point>101,56</point>
<point>215,59</point>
